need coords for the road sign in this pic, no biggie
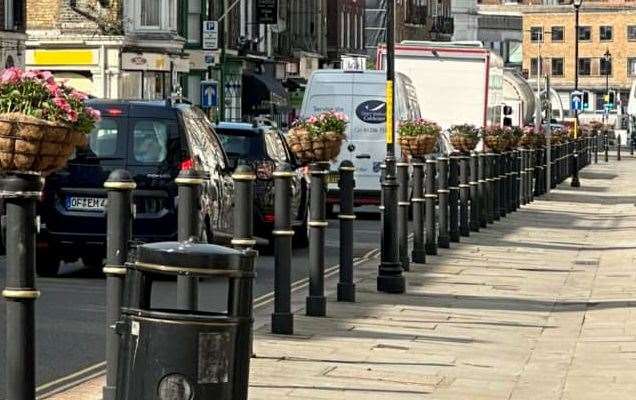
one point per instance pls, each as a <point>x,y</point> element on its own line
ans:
<point>267,11</point>
<point>210,35</point>
<point>576,101</point>
<point>209,94</point>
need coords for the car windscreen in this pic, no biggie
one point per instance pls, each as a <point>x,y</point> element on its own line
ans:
<point>241,144</point>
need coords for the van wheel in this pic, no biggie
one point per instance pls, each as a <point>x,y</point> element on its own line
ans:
<point>47,264</point>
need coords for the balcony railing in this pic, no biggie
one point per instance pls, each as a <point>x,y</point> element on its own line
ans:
<point>443,25</point>
<point>415,14</point>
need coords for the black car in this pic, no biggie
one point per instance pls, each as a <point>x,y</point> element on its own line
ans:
<point>265,149</point>
<point>153,140</point>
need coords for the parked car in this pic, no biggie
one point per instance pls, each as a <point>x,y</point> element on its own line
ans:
<point>153,140</point>
<point>264,148</point>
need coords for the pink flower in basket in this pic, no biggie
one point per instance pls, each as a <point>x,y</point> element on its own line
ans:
<point>72,115</point>
<point>96,115</point>
<point>77,95</point>
<point>11,75</point>
<point>62,104</point>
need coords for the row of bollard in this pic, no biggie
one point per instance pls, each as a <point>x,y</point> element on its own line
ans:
<point>451,198</point>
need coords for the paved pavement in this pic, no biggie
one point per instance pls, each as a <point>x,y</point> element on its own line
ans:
<point>71,314</point>
<point>538,306</point>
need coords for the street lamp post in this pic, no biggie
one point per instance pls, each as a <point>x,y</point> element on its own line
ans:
<point>577,5</point>
<point>390,277</point>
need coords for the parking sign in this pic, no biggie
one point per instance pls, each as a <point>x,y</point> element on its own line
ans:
<point>210,35</point>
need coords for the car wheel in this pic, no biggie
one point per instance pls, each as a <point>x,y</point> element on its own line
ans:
<point>47,264</point>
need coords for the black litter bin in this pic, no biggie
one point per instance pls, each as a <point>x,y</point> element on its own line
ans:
<point>184,354</point>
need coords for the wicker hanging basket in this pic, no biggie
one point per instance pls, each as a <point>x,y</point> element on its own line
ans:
<point>29,144</point>
<point>496,143</point>
<point>417,146</point>
<point>314,148</point>
<point>463,143</point>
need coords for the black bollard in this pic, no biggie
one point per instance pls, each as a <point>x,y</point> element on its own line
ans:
<point>403,213</point>
<point>419,250</point>
<point>243,208</point>
<point>606,146</point>
<point>509,182</point>
<point>443,239</point>
<point>346,183</point>
<point>596,148</point>
<point>618,148</point>
<point>119,222</point>
<point>514,161</point>
<point>20,193</point>
<point>496,184</point>
<point>453,198</point>
<point>430,197</point>
<point>464,194</point>
<point>531,177</point>
<point>482,167</point>
<point>554,170</point>
<point>631,146</point>
<point>575,166</point>
<point>503,183</point>
<point>524,177</point>
<point>316,301</point>
<point>474,193</point>
<point>282,317</point>
<point>490,186</point>
<point>188,229</point>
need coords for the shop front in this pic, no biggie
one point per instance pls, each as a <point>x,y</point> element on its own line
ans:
<point>150,76</point>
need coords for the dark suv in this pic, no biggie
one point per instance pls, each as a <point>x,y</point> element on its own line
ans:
<point>265,149</point>
<point>152,140</point>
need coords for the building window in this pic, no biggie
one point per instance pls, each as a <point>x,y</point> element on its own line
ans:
<point>536,34</point>
<point>606,66</point>
<point>605,33</point>
<point>557,34</point>
<point>557,67</point>
<point>534,67</point>
<point>585,66</point>
<point>631,33</point>
<point>631,66</point>
<point>194,21</point>
<point>156,14</point>
<point>585,33</point>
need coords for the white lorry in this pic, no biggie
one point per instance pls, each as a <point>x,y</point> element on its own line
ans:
<point>455,82</point>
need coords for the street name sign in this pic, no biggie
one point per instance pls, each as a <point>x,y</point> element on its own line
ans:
<point>266,11</point>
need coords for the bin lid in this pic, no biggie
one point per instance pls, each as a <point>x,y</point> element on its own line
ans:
<point>186,258</point>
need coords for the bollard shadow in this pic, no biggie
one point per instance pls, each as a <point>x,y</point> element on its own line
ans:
<point>591,199</point>
<point>353,362</point>
<point>597,175</point>
<point>468,302</point>
<point>596,189</point>
<point>340,390</point>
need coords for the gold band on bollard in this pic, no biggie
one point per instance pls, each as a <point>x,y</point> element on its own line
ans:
<point>401,164</point>
<point>443,191</point>
<point>352,169</point>
<point>404,203</point>
<point>120,185</point>
<point>430,196</point>
<point>20,294</point>
<point>319,172</point>
<point>244,177</point>
<point>283,174</point>
<point>114,270</point>
<point>319,224</point>
<point>189,181</point>
<point>346,216</point>
<point>283,233</point>
<point>243,242</point>
<point>418,200</point>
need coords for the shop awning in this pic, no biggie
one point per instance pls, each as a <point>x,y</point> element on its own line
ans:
<point>258,88</point>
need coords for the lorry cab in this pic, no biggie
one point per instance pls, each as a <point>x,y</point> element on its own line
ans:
<point>361,95</point>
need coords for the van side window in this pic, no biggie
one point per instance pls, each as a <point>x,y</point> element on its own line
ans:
<point>150,141</point>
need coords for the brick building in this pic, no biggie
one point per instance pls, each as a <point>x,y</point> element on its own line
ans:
<point>110,49</point>
<point>12,32</point>
<point>549,46</point>
<point>414,20</point>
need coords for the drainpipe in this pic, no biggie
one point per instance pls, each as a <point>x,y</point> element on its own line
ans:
<point>102,70</point>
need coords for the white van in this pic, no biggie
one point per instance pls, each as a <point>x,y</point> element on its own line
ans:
<point>362,97</point>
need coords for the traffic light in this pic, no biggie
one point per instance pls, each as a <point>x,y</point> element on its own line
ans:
<point>610,99</point>
<point>586,100</point>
